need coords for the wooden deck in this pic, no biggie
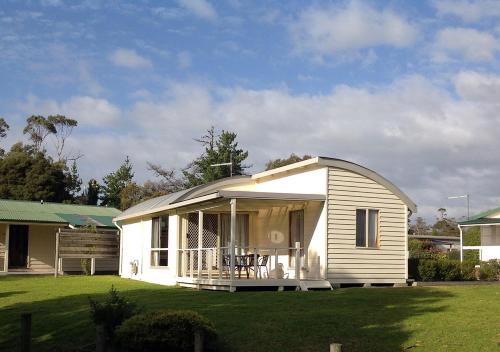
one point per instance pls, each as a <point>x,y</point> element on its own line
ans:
<point>228,285</point>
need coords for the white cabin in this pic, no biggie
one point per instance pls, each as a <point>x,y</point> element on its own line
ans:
<point>314,223</point>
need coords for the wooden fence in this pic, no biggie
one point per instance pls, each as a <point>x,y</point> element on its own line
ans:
<point>85,245</point>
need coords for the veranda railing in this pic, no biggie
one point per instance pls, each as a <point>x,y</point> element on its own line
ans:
<point>215,262</point>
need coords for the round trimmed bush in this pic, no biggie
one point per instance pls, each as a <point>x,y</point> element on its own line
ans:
<point>165,331</point>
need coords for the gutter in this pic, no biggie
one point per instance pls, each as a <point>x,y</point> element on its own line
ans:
<point>121,247</point>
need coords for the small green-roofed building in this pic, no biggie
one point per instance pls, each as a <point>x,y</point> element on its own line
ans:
<point>28,234</point>
<point>489,223</point>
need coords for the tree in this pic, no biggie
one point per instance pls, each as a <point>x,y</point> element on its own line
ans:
<point>27,174</point>
<point>130,195</point>
<point>420,227</point>
<point>4,127</point>
<point>63,128</point>
<point>168,180</point>
<point>38,128</point>
<point>445,227</point>
<point>93,191</point>
<point>221,148</point>
<point>442,213</point>
<point>74,181</point>
<point>293,158</point>
<point>115,182</point>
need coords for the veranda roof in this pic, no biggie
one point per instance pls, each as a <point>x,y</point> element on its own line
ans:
<point>483,218</point>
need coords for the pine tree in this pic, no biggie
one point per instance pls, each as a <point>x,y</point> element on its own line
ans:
<point>115,182</point>
<point>222,148</point>
<point>93,191</point>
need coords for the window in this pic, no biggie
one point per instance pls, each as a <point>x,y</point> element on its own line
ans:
<point>159,241</point>
<point>367,228</point>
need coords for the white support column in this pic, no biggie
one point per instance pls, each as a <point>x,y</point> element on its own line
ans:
<point>406,241</point>
<point>297,260</point>
<point>200,243</point>
<point>233,239</point>
<point>276,263</point>
<point>461,244</point>
<point>6,253</point>
<point>209,262</point>
<point>92,266</point>
<point>56,259</point>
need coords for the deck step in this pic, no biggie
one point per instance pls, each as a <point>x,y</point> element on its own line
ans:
<point>306,285</point>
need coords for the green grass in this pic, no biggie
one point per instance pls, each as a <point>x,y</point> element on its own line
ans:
<point>458,318</point>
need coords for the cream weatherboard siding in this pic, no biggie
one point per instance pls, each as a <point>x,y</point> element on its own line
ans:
<point>41,247</point>
<point>348,191</point>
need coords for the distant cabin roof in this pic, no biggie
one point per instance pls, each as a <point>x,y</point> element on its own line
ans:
<point>491,216</point>
<point>56,213</point>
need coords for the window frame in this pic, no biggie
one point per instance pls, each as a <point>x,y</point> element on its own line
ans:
<point>367,229</point>
<point>156,251</point>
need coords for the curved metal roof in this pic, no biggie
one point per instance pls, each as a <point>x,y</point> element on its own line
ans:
<point>159,203</point>
<point>168,201</point>
<point>347,165</point>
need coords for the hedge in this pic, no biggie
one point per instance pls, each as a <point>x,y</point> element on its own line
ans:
<point>452,270</point>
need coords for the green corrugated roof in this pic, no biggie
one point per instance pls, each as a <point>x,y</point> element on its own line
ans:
<point>482,218</point>
<point>76,215</point>
<point>480,222</point>
<point>485,214</point>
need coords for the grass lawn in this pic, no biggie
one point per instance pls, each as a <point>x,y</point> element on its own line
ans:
<point>458,318</point>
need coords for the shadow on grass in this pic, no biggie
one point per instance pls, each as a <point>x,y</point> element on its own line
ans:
<point>11,293</point>
<point>360,319</point>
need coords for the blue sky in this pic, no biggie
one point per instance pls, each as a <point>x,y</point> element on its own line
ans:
<point>409,89</point>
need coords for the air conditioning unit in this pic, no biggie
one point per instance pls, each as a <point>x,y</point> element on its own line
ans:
<point>134,267</point>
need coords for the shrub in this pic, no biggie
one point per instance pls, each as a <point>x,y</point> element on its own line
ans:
<point>472,255</point>
<point>428,270</point>
<point>449,270</point>
<point>164,331</point>
<point>469,270</point>
<point>490,271</point>
<point>85,264</point>
<point>111,313</point>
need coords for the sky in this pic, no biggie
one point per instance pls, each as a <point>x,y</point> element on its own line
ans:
<point>410,89</point>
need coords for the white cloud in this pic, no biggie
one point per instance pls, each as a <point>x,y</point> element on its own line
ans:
<point>469,11</point>
<point>184,59</point>
<point>428,141</point>
<point>412,131</point>
<point>478,87</point>
<point>129,58</point>
<point>333,29</point>
<point>465,43</point>
<point>88,111</point>
<point>200,8</point>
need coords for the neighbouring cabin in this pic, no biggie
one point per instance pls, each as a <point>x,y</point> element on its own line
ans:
<point>28,232</point>
<point>442,243</point>
<point>489,224</point>
<point>307,225</point>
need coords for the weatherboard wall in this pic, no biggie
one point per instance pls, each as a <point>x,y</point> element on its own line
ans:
<point>348,191</point>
